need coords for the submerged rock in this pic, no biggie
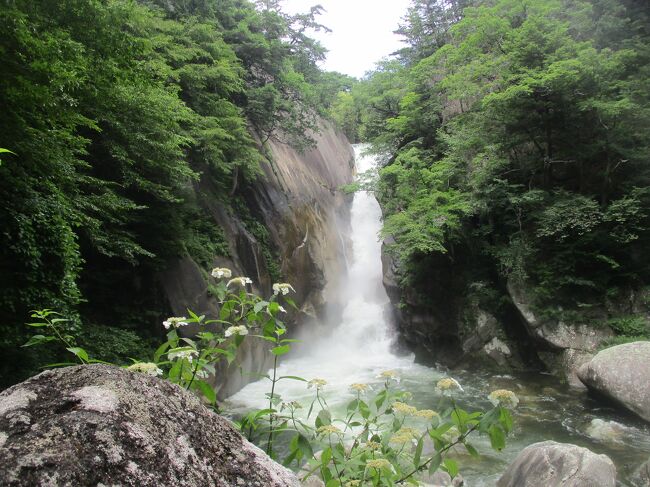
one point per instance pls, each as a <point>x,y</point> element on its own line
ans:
<point>641,477</point>
<point>622,373</point>
<point>607,431</point>
<point>103,425</point>
<point>553,464</point>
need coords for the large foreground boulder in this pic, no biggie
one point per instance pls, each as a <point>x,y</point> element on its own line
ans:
<point>621,373</point>
<point>554,464</point>
<point>99,425</point>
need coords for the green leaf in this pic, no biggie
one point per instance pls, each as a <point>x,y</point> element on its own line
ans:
<point>284,349</point>
<point>305,446</point>
<point>435,462</point>
<point>79,352</point>
<point>37,340</point>
<point>207,390</point>
<point>471,450</point>
<point>497,437</point>
<point>451,467</point>
<point>292,377</point>
<point>323,418</point>
<point>506,420</point>
<point>333,483</point>
<point>418,452</point>
<point>290,302</point>
<point>326,456</point>
<point>259,306</point>
<point>160,351</point>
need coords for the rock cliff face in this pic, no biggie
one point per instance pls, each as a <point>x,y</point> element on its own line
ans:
<point>105,426</point>
<point>298,203</point>
<point>460,313</point>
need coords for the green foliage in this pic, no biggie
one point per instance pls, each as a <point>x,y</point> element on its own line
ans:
<point>630,326</point>
<point>115,345</point>
<point>380,440</point>
<point>205,241</point>
<point>512,132</point>
<point>622,340</point>
<point>117,114</point>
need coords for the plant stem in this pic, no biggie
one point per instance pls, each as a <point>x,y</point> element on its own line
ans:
<point>273,381</point>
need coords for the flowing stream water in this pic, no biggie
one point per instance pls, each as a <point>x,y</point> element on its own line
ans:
<point>359,347</point>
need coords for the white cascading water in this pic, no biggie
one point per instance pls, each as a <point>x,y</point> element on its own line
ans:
<point>359,347</point>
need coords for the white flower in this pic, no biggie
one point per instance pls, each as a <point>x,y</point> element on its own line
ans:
<point>145,368</point>
<point>359,387</point>
<point>175,322</point>
<point>236,330</point>
<point>404,408</point>
<point>447,385</point>
<point>282,287</point>
<point>389,375</point>
<point>316,383</point>
<point>202,374</point>
<point>182,353</point>
<point>220,272</point>
<point>504,397</point>
<point>241,281</point>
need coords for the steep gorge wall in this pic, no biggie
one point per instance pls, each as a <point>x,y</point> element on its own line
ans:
<point>298,202</point>
<point>465,314</point>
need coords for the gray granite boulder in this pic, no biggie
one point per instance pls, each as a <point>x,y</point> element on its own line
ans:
<point>99,425</point>
<point>552,464</point>
<point>621,373</point>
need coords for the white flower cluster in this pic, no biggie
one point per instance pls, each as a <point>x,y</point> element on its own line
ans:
<point>219,272</point>
<point>317,384</point>
<point>504,397</point>
<point>241,281</point>
<point>282,288</point>
<point>182,353</point>
<point>236,330</point>
<point>448,385</point>
<point>145,368</point>
<point>175,322</point>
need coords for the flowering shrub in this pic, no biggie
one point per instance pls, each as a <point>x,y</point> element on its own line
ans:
<point>381,441</point>
<point>194,345</point>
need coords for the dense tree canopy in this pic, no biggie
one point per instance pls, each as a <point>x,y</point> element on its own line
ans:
<point>114,109</point>
<point>514,136</point>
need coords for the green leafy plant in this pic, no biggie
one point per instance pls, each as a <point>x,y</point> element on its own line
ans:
<point>5,151</point>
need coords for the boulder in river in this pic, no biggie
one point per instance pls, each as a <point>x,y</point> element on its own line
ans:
<point>552,464</point>
<point>621,373</point>
<point>102,425</point>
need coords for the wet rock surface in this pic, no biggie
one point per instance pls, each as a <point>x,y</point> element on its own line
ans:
<point>622,373</point>
<point>553,464</point>
<point>641,477</point>
<point>102,426</point>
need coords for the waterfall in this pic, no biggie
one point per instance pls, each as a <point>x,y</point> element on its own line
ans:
<point>358,347</point>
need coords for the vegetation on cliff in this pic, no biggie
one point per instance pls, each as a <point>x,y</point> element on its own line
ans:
<point>113,112</point>
<point>514,137</point>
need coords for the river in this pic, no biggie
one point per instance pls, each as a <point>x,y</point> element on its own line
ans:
<point>360,346</point>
